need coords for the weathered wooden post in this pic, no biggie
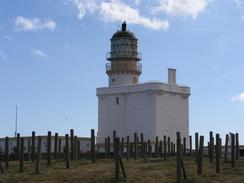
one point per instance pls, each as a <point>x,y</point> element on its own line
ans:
<point>67,153</point>
<point>116,158</point>
<point>178,158</point>
<point>135,146</point>
<point>168,146</point>
<point>217,154</point>
<point>21,156</point>
<point>211,147</point>
<point>237,146</point>
<point>18,146</point>
<point>190,142</point>
<point>200,156</point>
<point>49,134</point>
<point>93,158</point>
<point>142,146</point>
<point>196,147</point>
<point>160,148</point>
<point>184,146</point>
<point>149,148</point>
<point>6,151</point>
<point>233,156</point>
<point>226,148</point>
<point>156,148</point>
<point>106,148</point>
<point>38,157</point>
<point>127,147</point>
<point>59,147</point>
<point>114,137</point>
<point>55,145</point>
<point>165,148</point>
<point>122,147</point>
<point>109,147</point>
<point>29,150</point>
<point>72,144</point>
<point>33,146</point>
<point>220,148</point>
<point>75,148</point>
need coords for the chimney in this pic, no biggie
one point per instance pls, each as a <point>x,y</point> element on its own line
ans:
<point>171,76</point>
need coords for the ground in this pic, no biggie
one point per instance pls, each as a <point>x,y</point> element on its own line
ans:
<point>152,171</point>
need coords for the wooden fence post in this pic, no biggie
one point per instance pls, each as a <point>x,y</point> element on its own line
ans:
<point>233,156</point>
<point>190,139</point>
<point>142,146</point>
<point>211,147</point>
<point>217,154</point>
<point>21,156</point>
<point>122,147</point>
<point>196,147</point>
<point>6,151</point>
<point>200,156</point>
<point>237,146</point>
<point>55,146</point>
<point>184,146</point>
<point>67,153</point>
<point>165,148</point>
<point>109,147</point>
<point>135,146</point>
<point>168,146</point>
<point>114,137</point>
<point>226,147</point>
<point>33,146</point>
<point>18,146</point>
<point>128,147</point>
<point>49,134</point>
<point>106,148</point>
<point>71,144</point>
<point>178,158</point>
<point>93,158</point>
<point>38,157</point>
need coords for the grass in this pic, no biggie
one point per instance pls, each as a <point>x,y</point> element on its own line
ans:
<point>153,171</point>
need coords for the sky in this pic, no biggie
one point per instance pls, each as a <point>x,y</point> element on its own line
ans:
<point>53,55</point>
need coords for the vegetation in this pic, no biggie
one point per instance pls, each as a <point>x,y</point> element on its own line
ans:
<point>151,171</point>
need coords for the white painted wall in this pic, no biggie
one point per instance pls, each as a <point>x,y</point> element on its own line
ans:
<point>155,109</point>
<point>121,79</point>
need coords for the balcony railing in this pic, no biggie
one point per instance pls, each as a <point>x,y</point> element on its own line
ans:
<point>118,55</point>
<point>123,67</point>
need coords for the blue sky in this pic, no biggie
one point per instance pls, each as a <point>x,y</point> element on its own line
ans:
<point>53,55</point>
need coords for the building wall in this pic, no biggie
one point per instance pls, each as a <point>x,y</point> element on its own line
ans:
<point>122,79</point>
<point>155,109</point>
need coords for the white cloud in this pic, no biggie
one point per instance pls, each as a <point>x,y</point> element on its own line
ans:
<point>238,98</point>
<point>2,55</point>
<point>242,18</point>
<point>37,52</point>
<point>181,7</point>
<point>8,37</point>
<point>33,24</point>
<point>118,11</point>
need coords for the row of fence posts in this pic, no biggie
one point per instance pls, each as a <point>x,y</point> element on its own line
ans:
<point>35,153</point>
<point>136,149</point>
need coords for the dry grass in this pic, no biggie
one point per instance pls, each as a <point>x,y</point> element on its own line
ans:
<point>155,170</point>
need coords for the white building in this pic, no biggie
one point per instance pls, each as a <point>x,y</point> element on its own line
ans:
<point>127,106</point>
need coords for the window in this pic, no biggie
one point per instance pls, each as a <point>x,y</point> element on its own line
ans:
<point>117,100</point>
<point>113,80</point>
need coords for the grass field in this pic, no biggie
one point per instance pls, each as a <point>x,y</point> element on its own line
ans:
<point>155,170</point>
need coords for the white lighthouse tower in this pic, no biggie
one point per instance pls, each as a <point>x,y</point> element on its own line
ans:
<point>127,106</point>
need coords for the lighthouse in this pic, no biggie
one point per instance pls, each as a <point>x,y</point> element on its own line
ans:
<point>128,106</point>
<point>123,65</point>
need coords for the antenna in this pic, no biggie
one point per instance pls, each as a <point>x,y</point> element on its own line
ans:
<point>16,121</point>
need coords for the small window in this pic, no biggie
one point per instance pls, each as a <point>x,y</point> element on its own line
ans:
<point>113,80</point>
<point>117,100</point>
